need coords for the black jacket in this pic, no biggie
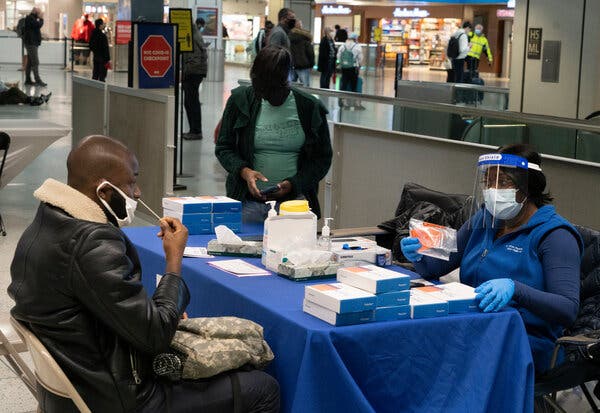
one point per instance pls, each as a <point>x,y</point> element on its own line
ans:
<point>302,49</point>
<point>32,35</point>
<point>326,58</point>
<point>99,46</point>
<point>235,144</point>
<point>588,318</point>
<point>76,282</point>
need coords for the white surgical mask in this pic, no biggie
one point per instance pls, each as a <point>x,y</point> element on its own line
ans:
<point>477,32</point>
<point>130,205</point>
<point>502,203</point>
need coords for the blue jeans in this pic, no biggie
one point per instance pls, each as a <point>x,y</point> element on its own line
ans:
<point>304,76</point>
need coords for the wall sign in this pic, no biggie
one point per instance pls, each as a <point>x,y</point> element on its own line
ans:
<point>505,13</point>
<point>534,43</point>
<point>416,12</point>
<point>328,9</point>
<point>511,4</point>
<point>122,32</point>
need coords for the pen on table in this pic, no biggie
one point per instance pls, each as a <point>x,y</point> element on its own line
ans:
<point>148,208</point>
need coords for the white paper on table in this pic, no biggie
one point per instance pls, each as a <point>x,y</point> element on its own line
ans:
<point>196,252</point>
<point>239,268</point>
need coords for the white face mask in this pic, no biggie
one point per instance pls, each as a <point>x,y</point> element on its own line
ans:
<point>130,205</point>
<point>502,203</point>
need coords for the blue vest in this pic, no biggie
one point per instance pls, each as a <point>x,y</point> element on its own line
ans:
<point>515,256</point>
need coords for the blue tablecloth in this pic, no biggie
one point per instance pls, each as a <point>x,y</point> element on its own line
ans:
<point>461,363</point>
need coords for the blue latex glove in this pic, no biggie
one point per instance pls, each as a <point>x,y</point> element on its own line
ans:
<point>495,294</point>
<point>409,247</point>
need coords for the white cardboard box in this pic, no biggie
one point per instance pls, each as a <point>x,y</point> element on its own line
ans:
<point>374,279</point>
<point>337,319</point>
<point>370,253</point>
<point>202,204</point>
<point>460,297</point>
<point>340,298</point>
<point>423,305</point>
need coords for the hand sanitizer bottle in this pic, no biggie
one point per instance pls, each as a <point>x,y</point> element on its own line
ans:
<point>272,213</point>
<point>324,241</point>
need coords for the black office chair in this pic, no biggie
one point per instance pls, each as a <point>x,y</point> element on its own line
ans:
<point>4,144</point>
<point>582,342</point>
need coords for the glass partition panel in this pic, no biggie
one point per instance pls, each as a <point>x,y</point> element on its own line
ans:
<point>566,138</point>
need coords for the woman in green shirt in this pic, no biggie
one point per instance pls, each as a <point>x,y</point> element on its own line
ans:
<point>273,134</point>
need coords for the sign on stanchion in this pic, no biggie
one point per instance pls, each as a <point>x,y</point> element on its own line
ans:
<point>155,65</point>
<point>183,19</point>
<point>154,55</point>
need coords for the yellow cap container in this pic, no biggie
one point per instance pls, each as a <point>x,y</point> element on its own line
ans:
<point>299,206</point>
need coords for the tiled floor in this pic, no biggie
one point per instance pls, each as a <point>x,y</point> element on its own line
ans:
<point>18,206</point>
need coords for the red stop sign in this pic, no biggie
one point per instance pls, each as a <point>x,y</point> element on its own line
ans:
<point>156,56</point>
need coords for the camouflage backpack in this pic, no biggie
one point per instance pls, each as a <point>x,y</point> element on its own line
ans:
<point>208,346</point>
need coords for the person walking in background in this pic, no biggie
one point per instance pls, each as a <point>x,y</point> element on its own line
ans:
<point>280,33</point>
<point>303,53</point>
<point>99,46</point>
<point>341,35</point>
<point>479,44</point>
<point>263,35</point>
<point>458,61</point>
<point>195,68</point>
<point>32,39</point>
<point>327,55</point>
<point>350,57</point>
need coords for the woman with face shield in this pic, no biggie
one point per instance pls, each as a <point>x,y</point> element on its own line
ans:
<point>516,250</point>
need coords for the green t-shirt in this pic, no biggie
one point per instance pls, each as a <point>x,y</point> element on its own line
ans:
<point>278,139</point>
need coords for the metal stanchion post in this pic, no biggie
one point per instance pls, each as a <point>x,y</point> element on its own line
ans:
<point>72,54</point>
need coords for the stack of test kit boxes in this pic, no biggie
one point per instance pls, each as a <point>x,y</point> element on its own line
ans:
<point>441,299</point>
<point>363,294</point>
<point>201,214</point>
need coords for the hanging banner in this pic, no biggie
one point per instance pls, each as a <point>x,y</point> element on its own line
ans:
<point>183,19</point>
<point>154,55</point>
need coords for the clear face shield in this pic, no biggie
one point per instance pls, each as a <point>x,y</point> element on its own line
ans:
<point>501,187</point>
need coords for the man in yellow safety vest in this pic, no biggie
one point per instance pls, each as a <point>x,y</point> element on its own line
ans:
<point>479,44</point>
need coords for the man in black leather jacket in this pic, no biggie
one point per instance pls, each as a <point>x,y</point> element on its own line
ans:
<point>76,282</point>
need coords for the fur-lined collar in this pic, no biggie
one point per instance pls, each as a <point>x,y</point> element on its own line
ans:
<point>70,200</point>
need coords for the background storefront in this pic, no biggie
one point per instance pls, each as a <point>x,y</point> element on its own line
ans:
<point>420,33</point>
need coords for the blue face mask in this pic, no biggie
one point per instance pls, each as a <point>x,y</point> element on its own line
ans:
<point>201,29</point>
<point>478,32</point>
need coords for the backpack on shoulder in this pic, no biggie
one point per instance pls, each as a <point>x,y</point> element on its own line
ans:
<point>20,29</point>
<point>453,49</point>
<point>347,58</point>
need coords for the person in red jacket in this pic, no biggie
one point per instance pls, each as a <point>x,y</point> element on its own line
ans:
<point>81,33</point>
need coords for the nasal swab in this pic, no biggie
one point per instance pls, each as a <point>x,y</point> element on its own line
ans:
<point>148,208</point>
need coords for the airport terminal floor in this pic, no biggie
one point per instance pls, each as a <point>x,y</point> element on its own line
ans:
<point>18,206</point>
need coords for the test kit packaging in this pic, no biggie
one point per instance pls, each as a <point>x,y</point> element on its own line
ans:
<point>423,305</point>
<point>337,319</point>
<point>374,279</point>
<point>223,204</point>
<point>186,205</point>
<point>369,253</point>
<point>399,312</point>
<point>202,204</point>
<point>340,298</point>
<point>197,224</point>
<point>460,297</point>
<point>393,298</point>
